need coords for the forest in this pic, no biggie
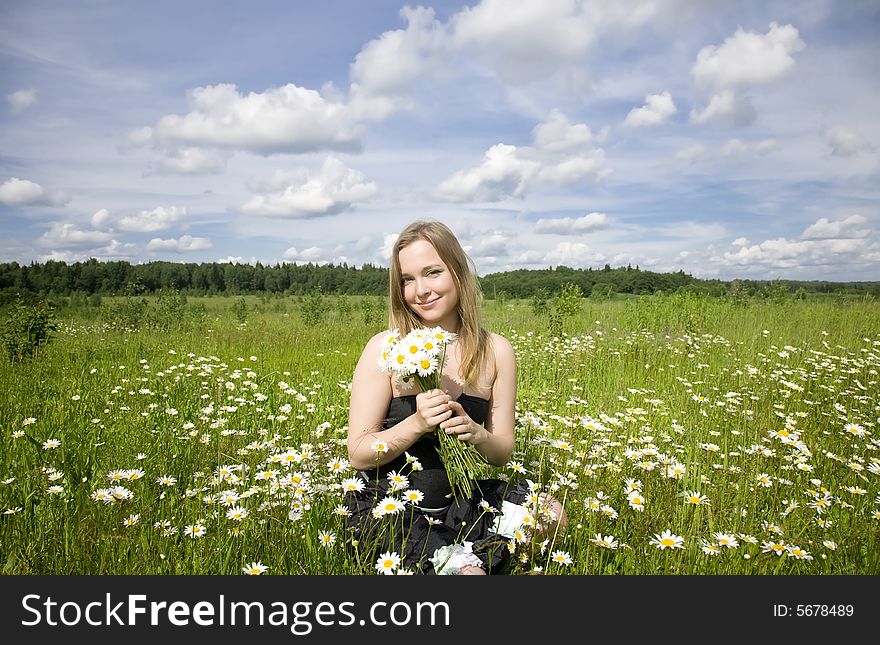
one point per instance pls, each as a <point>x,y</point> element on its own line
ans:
<point>55,278</point>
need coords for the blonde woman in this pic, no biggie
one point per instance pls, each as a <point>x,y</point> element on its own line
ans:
<point>392,439</point>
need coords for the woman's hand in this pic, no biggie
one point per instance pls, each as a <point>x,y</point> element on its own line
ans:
<point>432,408</point>
<point>462,425</point>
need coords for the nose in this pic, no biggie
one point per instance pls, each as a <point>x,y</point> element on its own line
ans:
<point>422,288</point>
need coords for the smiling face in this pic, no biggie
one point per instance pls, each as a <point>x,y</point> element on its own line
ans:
<point>428,285</point>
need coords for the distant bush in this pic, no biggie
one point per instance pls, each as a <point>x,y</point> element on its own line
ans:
<point>27,328</point>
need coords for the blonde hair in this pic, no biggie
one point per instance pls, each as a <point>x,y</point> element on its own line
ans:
<point>473,339</point>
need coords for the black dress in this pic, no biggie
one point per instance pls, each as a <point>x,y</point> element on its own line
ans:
<point>425,534</point>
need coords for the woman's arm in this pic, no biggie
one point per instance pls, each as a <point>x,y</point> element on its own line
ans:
<point>496,441</point>
<point>370,396</point>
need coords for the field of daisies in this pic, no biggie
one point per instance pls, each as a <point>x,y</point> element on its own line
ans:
<point>683,434</point>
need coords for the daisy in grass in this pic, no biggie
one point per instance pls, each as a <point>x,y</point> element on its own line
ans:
<point>798,553</point>
<point>195,531</point>
<point>606,542</point>
<point>326,539</point>
<point>131,520</point>
<point>389,506</point>
<point>764,480</point>
<point>631,484</point>
<point>237,513</point>
<point>561,557</point>
<point>387,563</point>
<point>636,500</point>
<point>352,485</point>
<point>710,548</point>
<point>55,490</point>
<point>776,548</point>
<point>726,540</point>
<point>667,540</point>
<point>166,480</point>
<point>254,569</point>
<point>51,444</point>
<point>695,498</point>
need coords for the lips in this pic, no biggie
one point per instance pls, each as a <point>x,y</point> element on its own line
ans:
<point>428,304</point>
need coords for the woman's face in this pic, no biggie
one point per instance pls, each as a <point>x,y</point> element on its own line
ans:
<point>428,288</point>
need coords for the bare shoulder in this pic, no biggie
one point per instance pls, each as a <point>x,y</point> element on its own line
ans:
<point>502,349</point>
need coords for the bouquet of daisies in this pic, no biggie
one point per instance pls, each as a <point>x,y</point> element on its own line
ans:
<point>420,355</point>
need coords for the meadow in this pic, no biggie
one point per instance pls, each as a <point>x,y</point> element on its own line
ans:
<point>684,434</point>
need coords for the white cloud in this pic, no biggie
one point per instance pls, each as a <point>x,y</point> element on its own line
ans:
<point>158,219</point>
<point>728,106</point>
<point>824,229</point>
<point>839,244</point>
<point>691,153</point>
<point>573,254</point>
<point>743,60</point>
<point>312,254</point>
<point>846,142</point>
<point>299,195</point>
<point>192,161</point>
<point>284,119</point>
<point>390,63</point>
<point>115,250</point>
<point>523,42</point>
<point>20,100</point>
<point>564,153</point>
<point>569,225</point>
<point>657,109</point>
<point>502,173</point>
<point>184,244</point>
<point>747,58</point>
<point>67,235</point>
<point>15,191</point>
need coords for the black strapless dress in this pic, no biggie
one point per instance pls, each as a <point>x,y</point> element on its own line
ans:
<point>439,520</point>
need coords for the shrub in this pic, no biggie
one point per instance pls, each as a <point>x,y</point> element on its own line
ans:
<point>27,328</point>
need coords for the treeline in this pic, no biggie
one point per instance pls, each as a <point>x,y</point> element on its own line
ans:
<point>55,278</point>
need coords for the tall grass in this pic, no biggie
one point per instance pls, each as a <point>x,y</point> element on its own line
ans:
<point>227,433</point>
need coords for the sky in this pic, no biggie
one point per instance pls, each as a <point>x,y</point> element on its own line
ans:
<point>725,139</point>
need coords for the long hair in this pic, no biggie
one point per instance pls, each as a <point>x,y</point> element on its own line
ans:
<point>473,339</point>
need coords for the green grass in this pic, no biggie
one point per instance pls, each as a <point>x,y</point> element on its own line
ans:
<point>679,393</point>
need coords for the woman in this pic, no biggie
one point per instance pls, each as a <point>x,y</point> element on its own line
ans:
<point>392,425</point>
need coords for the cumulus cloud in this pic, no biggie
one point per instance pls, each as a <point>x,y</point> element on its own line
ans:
<point>569,225</point>
<point>657,109</point>
<point>392,62</point>
<point>744,60</point>
<point>67,235</point>
<point>184,244</point>
<point>736,147</point>
<point>314,255</point>
<point>157,219</point>
<point>825,243</point>
<point>15,191</point>
<point>563,153</point>
<point>289,119</point>
<point>846,142</point>
<point>115,250</point>
<point>335,188</point>
<point>747,58</point>
<point>20,100</point>
<point>192,161</point>
<point>825,229</point>
<point>573,254</point>
<point>523,42</point>
<point>728,106</point>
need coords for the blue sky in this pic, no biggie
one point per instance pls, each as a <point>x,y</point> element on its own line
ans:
<point>727,139</point>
